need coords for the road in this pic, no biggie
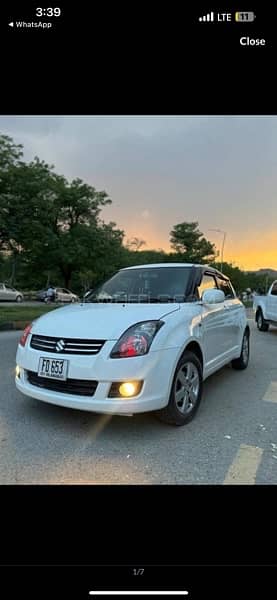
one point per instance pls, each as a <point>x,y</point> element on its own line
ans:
<point>233,438</point>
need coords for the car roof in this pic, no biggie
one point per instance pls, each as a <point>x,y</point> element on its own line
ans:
<point>166,265</point>
<point>152,266</point>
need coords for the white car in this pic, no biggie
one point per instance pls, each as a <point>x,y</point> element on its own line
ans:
<point>61,295</point>
<point>265,308</point>
<point>9,293</point>
<point>143,341</point>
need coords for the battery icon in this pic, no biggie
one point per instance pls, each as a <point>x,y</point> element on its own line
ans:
<point>244,17</point>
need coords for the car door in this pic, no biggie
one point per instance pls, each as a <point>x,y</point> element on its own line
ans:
<point>66,295</point>
<point>59,294</point>
<point>272,303</point>
<point>213,326</point>
<point>10,293</point>
<point>233,309</point>
<point>2,292</point>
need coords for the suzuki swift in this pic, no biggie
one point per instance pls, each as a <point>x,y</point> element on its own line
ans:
<point>145,340</point>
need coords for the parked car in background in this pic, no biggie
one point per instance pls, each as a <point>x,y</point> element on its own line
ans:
<point>41,295</point>
<point>61,295</point>
<point>265,308</point>
<point>9,293</point>
<point>145,340</point>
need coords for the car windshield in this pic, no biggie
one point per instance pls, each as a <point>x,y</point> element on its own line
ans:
<point>156,284</point>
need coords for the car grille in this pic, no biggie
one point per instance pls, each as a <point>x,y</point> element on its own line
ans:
<point>66,345</point>
<point>79,387</point>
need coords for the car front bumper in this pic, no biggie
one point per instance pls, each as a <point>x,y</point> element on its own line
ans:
<point>155,369</point>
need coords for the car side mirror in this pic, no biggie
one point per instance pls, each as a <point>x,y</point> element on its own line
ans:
<point>213,297</point>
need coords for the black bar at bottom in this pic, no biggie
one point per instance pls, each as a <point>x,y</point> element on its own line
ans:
<point>201,582</point>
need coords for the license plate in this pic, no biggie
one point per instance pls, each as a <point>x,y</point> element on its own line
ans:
<point>53,368</point>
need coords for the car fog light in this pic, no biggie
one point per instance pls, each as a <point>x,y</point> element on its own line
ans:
<point>17,371</point>
<point>125,389</point>
<point>128,388</point>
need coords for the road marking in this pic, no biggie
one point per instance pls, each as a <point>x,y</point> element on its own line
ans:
<point>271,392</point>
<point>244,468</point>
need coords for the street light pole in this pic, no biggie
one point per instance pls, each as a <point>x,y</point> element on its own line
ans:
<point>222,248</point>
<point>223,243</point>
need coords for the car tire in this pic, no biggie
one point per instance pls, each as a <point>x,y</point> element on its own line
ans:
<point>243,360</point>
<point>73,300</point>
<point>184,403</point>
<point>18,299</point>
<point>261,323</point>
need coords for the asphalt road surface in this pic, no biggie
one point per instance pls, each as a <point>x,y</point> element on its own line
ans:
<point>232,440</point>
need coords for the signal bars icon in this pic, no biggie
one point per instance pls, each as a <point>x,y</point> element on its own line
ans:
<point>207,18</point>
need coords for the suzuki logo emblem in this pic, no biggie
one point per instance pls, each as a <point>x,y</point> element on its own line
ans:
<point>60,345</point>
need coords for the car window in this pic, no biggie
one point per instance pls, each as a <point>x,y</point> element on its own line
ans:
<point>208,283</point>
<point>225,287</point>
<point>155,284</point>
<point>66,292</point>
<point>10,289</point>
<point>274,289</point>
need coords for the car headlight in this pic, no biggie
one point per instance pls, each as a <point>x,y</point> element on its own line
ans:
<point>25,334</point>
<point>27,331</point>
<point>136,340</point>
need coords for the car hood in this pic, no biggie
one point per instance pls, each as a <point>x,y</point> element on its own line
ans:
<point>98,321</point>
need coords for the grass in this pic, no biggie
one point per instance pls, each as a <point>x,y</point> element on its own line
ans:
<point>22,313</point>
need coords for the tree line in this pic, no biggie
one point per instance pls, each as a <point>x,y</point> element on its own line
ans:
<point>51,231</point>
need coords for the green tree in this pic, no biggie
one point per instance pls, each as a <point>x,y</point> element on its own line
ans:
<point>48,225</point>
<point>24,208</point>
<point>187,240</point>
<point>135,244</point>
<point>72,236</point>
<point>10,154</point>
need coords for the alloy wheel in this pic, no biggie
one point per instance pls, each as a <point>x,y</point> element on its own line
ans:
<point>186,389</point>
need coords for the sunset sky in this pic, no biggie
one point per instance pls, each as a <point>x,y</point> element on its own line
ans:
<point>162,170</point>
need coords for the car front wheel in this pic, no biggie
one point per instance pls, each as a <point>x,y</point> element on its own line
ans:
<point>242,362</point>
<point>18,298</point>
<point>186,392</point>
